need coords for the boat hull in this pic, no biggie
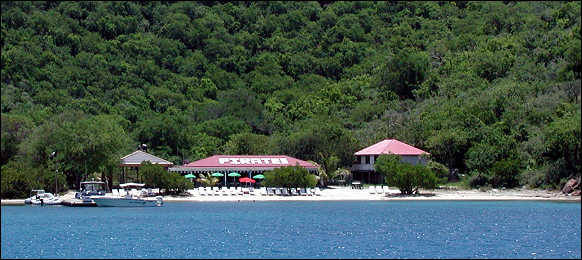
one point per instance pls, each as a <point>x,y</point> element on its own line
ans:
<point>125,202</point>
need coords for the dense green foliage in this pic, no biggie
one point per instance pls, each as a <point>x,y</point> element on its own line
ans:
<point>156,176</point>
<point>290,177</point>
<point>407,177</point>
<point>473,83</point>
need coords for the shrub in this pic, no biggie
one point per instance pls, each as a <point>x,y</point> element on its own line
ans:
<point>291,176</point>
<point>478,180</point>
<point>505,173</point>
<point>156,176</point>
<point>441,171</point>
<point>407,177</point>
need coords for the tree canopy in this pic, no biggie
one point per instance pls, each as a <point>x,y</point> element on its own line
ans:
<point>474,83</point>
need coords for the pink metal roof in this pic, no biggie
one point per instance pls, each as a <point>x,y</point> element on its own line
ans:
<point>243,161</point>
<point>390,146</point>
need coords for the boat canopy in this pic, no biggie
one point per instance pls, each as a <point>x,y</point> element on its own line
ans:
<point>131,184</point>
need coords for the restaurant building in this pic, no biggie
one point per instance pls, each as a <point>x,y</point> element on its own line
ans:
<point>363,166</point>
<point>245,165</point>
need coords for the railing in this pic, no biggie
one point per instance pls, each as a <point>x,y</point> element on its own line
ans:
<point>362,167</point>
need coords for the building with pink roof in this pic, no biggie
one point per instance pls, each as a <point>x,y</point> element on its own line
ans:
<point>245,165</point>
<point>363,166</point>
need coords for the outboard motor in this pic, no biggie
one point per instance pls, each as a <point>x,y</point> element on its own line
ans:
<point>159,201</point>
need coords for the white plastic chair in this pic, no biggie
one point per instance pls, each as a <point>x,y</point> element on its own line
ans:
<point>308,191</point>
<point>371,190</point>
<point>386,190</point>
<point>264,191</point>
<point>201,191</point>
<point>115,192</point>
<point>317,191</point>
<point>379,190</point>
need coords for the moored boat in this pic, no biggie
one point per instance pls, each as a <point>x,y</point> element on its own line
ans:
<point>42,198</point>
<point>130,198</point>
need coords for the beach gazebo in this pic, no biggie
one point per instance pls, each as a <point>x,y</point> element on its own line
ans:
<point>133,162</point>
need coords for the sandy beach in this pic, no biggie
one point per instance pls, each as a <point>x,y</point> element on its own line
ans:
<point>340,193</point>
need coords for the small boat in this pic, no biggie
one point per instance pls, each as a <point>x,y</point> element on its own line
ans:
<point>131,198</point>
<point>89,189</point>
<point>42,198</point>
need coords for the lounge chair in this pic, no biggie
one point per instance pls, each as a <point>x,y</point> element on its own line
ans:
<point>225,191</point>
<point>270,192</point>
<point>252,191</point>
<point>134,192</point>
<point>263,191</point>
<point>201,191</point>
<point>231,191</point>
<point>294,192</point>
<point>372,190</point>
<point>386,190</point>
<point>114,192</point>
<point>317,191</point>
<point>278,191</point>
<point>284,192</point>
<point>379,190</point>
<point>240,191</point>
<point>308,191</point>
<point>150,192</point>
<point>302,192</point>
<point>245,191</point>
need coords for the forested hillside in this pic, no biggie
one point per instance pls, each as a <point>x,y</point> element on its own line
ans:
<point>488,88</point>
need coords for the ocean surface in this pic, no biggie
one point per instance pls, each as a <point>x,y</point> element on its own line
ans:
<point>307,229</point>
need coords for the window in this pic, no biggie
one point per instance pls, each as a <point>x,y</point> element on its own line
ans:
<point>368,159</point>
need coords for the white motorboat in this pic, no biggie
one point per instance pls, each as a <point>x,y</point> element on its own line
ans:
<point>42,198</point>
<point>130,198</point>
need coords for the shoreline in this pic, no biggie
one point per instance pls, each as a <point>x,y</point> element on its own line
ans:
<point>341,193</point>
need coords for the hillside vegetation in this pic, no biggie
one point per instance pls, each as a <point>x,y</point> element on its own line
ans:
<point>490,89</point>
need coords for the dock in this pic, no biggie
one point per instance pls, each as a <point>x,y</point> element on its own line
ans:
<point>78,203</point>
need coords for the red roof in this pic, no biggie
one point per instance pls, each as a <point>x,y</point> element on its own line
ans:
<point>390,146</point>
<point>243,161</point>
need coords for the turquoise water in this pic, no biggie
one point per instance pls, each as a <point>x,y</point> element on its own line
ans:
<point>356,229</point>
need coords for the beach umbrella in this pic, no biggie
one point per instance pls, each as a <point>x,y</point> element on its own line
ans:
<point>246,180</point>
<point>217,174</point>
<point>189,176</point>
<point>259,176</point>
<point>233,175</point>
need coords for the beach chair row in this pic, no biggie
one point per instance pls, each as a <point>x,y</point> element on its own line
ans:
<point>293,192</point>
<point>380,190</point>
<point>250,191</point>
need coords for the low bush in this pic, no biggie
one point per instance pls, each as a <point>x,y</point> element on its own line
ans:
<point>291,176</point>
<point>407,177</point>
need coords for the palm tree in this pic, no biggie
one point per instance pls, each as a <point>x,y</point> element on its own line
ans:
<point>208,180</point>
<point>323,177</point>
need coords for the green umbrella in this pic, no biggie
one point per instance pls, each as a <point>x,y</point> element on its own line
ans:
<point>190,176</point>
<point>217,174</point>
<point>233,175</point>
<point>259,176</point>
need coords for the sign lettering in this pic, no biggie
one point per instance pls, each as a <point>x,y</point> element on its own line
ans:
<point>237,161</point>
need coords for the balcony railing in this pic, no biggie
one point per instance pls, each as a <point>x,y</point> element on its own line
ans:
<point>362,167</point>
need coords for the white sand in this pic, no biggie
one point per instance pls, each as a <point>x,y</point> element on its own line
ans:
<point>338,193</point>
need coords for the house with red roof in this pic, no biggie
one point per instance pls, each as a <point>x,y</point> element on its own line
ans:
<point>363,166</point>
<point>245,165</point>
